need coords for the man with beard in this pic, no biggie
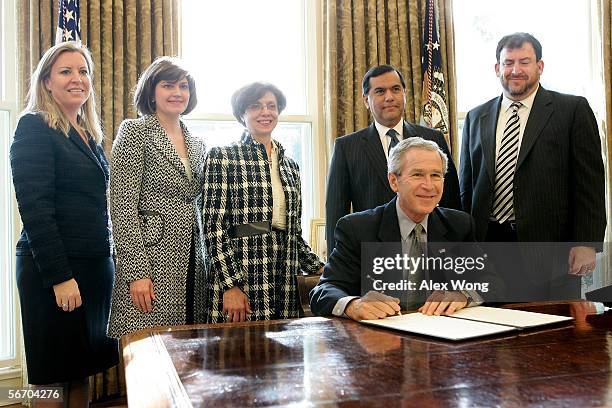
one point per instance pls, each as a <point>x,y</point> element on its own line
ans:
<point>531,168</point>
<point>358,171</point>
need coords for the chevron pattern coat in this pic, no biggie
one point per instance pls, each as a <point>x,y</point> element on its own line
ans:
<point>155,214</point>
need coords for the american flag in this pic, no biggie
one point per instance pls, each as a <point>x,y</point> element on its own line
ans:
<point>434,105</point>
<point>68,22</point>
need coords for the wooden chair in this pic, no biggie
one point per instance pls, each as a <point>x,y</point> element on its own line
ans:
<point>305,284</point>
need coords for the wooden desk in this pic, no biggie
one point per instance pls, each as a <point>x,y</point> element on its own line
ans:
<point>337,361</point>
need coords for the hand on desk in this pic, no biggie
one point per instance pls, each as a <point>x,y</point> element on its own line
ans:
<point>580,310</point>
<point>236,305</point>
<point>443,302</point>
<point>374,305</point>
<point>581,260</point>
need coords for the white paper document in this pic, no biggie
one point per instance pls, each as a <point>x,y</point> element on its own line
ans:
<point>509,317</point>
<point>467,323</point>
<point>444,327</point>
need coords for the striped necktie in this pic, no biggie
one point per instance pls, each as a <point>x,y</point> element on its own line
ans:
<point>503,204</point>
<point>392,133</point>
<point>416,298</point>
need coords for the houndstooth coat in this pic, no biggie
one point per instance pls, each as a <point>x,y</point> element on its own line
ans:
<point>155,215</point>
<point>238,190</point>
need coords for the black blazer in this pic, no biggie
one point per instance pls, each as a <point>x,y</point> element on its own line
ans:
<point>342,273</point>
<point>559,180</point>
<point>358,175</point>
<point>60,185</point>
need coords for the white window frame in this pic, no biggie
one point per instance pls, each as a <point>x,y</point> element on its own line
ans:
<point>317,151</point>
<point>597,102</point>
<point>10,370</point>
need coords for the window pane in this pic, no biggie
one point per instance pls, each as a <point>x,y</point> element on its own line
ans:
<point>2,62</point>
<point>294,136</point>
<point>230,43</point>
<point>7,301</point>
<point>562,26</point>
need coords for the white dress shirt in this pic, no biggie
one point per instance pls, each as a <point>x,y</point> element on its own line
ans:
<point>385,140</point>
<point>279,206</point>
<point>504,115</point>
<point>187,166</point>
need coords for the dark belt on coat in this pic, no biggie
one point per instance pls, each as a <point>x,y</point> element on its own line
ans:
<point>252,228</point>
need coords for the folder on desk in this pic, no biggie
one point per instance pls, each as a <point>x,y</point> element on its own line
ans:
<point>468,323</point>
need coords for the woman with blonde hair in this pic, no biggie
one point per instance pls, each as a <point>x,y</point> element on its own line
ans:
<point>156,183</point>
<point>64,266</point>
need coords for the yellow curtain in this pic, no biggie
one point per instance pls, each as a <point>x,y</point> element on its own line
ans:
<point>607,54</point>
<point>360,34</point>
<point>606,13</point>
<point>124,37</point>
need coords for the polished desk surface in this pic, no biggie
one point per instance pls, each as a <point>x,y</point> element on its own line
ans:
<point>335,361</point>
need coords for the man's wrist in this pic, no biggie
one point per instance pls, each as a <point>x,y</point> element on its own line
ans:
<point>348,311</point>
<point>341,305</point>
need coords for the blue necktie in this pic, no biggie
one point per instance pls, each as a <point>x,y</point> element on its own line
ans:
<point>392,133</point>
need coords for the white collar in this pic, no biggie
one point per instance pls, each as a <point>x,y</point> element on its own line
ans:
<point>406,223</point>
<point>527,102</point>
<point>382,129</point>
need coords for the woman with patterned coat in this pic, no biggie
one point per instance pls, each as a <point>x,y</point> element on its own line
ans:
<point>156,182</point>
<point>252,209</point>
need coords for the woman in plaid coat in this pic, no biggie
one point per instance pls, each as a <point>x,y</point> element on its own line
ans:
<point>252,209</point>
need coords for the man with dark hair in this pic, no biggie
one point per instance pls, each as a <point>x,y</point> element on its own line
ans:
<point>516,40</point>
<point>531,167</point>
<point>358,171</point>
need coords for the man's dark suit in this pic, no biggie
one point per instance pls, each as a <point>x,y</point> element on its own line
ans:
<point>559,179</point>
<point>358,175</point>
<point>342,273</point>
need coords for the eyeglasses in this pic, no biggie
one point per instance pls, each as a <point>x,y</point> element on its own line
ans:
<point>258,107</point>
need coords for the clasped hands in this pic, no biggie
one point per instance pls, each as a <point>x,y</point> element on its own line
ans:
<point>375,305</point>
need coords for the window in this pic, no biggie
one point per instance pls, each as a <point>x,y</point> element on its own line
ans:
<point>567,29</point>
<point>9,346</point>
<point>1,52</point>
<point>231,43</point>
